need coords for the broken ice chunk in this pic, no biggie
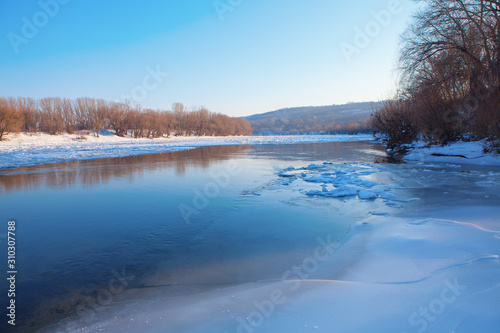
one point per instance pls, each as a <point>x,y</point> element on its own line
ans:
<point>367,195</point>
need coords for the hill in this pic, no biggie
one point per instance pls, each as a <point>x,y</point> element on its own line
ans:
<point>346,118</point>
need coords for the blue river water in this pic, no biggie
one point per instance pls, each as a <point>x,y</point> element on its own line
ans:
<point>209,216</point>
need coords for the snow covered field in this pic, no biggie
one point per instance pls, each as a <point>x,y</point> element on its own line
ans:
<point>33,149</point>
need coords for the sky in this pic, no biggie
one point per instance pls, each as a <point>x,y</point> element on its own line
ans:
<point>237,57</point>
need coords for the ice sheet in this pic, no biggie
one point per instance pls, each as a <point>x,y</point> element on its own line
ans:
<point>397,275</point>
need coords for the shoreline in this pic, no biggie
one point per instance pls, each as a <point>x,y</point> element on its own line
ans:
<point>32,149</point>
<point>23,150</point>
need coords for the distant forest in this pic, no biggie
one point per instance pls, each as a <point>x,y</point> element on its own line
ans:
<point>330,119</point>
<point>309,126</point>
<point>60,115</point>
<point>450,76</point>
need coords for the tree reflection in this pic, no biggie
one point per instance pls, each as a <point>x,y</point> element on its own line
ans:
<point>90,173</point>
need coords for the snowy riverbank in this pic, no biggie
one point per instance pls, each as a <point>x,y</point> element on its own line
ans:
<point>24,149</point>
<point>33,149</point>
<point>457,152</point>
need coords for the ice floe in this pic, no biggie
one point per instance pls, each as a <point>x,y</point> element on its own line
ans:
<point>347,181</point>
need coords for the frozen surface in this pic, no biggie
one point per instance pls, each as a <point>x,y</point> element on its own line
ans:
<point>424,259</point>
<point>32,149</point>
<point>399,276</point>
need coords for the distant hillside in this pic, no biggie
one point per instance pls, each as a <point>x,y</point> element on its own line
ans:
<point>347,118</point>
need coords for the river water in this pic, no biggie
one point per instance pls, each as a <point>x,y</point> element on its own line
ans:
<point>207,217</point>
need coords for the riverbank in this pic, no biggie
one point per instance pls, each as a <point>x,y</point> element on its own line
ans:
<point>456,152</point>
<point>19,150</point>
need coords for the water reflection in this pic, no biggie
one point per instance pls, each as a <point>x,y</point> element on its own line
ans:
<point>338,152</point>
<point>90,173</point>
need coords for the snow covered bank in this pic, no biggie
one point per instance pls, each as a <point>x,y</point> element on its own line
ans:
<point>33,149</point>
<point>457,152</point>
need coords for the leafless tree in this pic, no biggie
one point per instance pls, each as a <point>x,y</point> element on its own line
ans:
<point>119,117</point>
<point>55,115</point>
<point>98,115</point>
<point>52,120</point>
<point>31,114</point>
<point>69,116</point>
<point>10,119</point>
<point>82,107</point>
<point>450,65</point>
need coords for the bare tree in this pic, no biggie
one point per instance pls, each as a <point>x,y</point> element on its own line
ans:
<point>450,58</point>
<point>180,114</point>
<point>98,115</point>
<point>119,118</point>
<point>31,114</point>
<point>56,115</point>
<point>52,120</point>
<point>10,119</point>
<point>82,107</point>
<point>69,116</point>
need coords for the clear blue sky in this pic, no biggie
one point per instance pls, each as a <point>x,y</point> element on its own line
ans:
<point>249,56</point>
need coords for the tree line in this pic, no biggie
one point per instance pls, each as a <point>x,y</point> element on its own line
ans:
<point>308,126</point>
<point>449,87</point>
<point>62,115</point>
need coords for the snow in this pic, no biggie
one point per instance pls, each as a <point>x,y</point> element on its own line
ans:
<point>23,149</point>
<point>457,152</point>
